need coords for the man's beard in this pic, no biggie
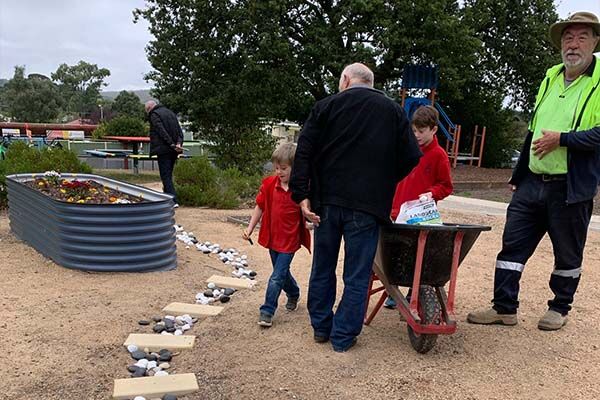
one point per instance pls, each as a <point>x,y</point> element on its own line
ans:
<point>577,63</point>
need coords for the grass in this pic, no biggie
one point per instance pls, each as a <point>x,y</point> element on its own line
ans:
<point>130,177</point>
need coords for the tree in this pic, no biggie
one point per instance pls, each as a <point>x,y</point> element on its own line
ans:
<point>128,103</point>
<point>33,99</point>
<point>80,85</point>
<point>228,64</point>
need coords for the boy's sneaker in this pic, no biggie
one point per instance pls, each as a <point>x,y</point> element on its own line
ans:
<point>292,304</point>
<point>265,320</point>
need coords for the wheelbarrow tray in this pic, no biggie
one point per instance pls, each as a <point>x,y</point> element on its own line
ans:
<point>399,244</point>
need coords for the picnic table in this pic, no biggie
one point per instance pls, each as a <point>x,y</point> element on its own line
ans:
<point>134,143</point>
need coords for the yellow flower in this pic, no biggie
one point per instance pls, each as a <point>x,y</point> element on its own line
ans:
<point>63,191</point>
<point>81,201</point>
<point>70,199</point>
<point>42,183</point>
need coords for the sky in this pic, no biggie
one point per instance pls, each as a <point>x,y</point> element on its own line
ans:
<point>42,34</point>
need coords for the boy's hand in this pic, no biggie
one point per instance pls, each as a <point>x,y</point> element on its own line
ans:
<point>425,196</point>
<point>308,214</point>
<point>246,234</point>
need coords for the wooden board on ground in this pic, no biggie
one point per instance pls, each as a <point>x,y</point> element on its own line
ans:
<point>156,342</point>
<point>155,386</point>
<point>227,282</point>
<point>194,310</point>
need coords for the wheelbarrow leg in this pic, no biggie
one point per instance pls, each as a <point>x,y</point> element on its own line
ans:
<point>370,293</point>
<point>414,298</point>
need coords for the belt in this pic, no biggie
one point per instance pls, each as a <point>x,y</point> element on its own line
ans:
<point>552,178</point>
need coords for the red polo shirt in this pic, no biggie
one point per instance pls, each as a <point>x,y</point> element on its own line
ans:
<point>432,174</point>
<point>282,226</point>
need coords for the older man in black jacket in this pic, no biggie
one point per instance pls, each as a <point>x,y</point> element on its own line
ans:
<point>166,140</point>
<point>354,148</point>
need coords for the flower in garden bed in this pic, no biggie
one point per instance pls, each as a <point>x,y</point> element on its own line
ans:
<point>80,192</point>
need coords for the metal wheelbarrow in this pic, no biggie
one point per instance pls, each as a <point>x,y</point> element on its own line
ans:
<point>424,258</point>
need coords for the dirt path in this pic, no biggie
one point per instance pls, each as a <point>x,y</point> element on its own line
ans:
<point>62,332</point>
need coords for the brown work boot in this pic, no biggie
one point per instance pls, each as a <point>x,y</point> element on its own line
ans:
<point>552,321</point>
<point>490,317</point>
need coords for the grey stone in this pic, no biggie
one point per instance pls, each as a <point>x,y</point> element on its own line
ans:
<point>169,397</point>
<point>158,328</point>
<point>228,291</point>
<point>144,322</point>
<point>208,293</point>
<point>224,298</point>
<point>156,318</point>
<point>138,355</point>
<point>165,356</point>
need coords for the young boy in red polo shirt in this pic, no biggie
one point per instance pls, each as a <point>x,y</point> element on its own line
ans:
<point>431,177</point>
<point>282,231</point>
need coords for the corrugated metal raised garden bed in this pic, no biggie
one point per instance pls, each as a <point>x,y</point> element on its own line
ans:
<point>93,223</point>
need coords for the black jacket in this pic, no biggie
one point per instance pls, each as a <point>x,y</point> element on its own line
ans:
<point>354,148</point>
<point>165,131</point>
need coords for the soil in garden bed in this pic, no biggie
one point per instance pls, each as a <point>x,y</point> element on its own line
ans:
<point>83,192</point>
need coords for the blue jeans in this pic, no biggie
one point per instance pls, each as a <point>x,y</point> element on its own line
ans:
<point>281,279</point>
<point>166,165</point>
<point>361,233</point>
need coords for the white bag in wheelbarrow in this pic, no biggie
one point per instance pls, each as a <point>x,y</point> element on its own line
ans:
<point>419,212</point>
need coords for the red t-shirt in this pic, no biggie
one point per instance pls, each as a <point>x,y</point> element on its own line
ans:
<point>282,220</point>
<point>432,174</point>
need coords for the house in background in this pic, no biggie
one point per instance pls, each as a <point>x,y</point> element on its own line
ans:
<point>284,131</point>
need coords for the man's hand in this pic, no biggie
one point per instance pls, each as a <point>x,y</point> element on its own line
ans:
<point>308,214</point>
<point>178,148</point>
<point>513,188</point>
<point>549,142</point>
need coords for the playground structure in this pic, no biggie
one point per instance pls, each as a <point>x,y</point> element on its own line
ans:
<point>427,78</point>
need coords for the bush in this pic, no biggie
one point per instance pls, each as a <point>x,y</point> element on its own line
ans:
<point>123,125</point>
<point>20,158</point>
<point>200,184</point>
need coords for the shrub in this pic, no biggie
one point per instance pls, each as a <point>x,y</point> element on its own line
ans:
<point>198,183</point>
<point>21,158</point>
<point>123,125</point>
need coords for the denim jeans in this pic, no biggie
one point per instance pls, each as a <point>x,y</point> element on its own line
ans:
<point>166,164</point>
<point>281,279</point>
<point>360,232</point>
<point>538,208</point>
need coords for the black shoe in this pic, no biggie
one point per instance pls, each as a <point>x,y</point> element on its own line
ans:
<point>321,339</point>
<point>292,304</point>
<point>265,320</point>
<point>351,345</point>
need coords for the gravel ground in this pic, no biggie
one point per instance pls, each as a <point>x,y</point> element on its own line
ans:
<point>62,331</point>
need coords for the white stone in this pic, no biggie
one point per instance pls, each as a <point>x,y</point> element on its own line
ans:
<point>211,285</point>
<point>139,398</point>
<point>216,293</point>
<point>142,363</point>
<point>185,327</point>
<point>131,348</point>
<point>172,318</point>
<point>151,364</point>
<point>161,373</point>
<point>178,332</point>
<point>244,257</point>
<point>166,333</point>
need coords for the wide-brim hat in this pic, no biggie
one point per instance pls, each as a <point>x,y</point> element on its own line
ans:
<point>583,18</point>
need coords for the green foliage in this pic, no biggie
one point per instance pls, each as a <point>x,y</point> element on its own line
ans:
<point>128,103</point>
<point>33,99</point>
<point>246,149</point>
<point>80,85</point>
<point>198,184</point>
<point>21,158</point>
<point>122,126</point>
<point>273,59</point>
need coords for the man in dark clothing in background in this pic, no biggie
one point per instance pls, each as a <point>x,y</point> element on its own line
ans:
<point>166,140</point>
<point>354,148</point>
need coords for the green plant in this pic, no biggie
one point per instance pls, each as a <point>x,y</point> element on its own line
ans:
<point>198,183</point>
<point>123,125</point>
<point>21,158</point>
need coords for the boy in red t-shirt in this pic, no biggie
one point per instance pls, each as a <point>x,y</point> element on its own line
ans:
<point>282,231</point>
<point>431,177</point>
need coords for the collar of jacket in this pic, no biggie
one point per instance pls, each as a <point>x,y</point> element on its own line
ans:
<point>591,70</point>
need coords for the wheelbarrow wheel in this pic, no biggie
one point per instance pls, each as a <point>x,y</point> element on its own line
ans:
<point>430,313</point>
